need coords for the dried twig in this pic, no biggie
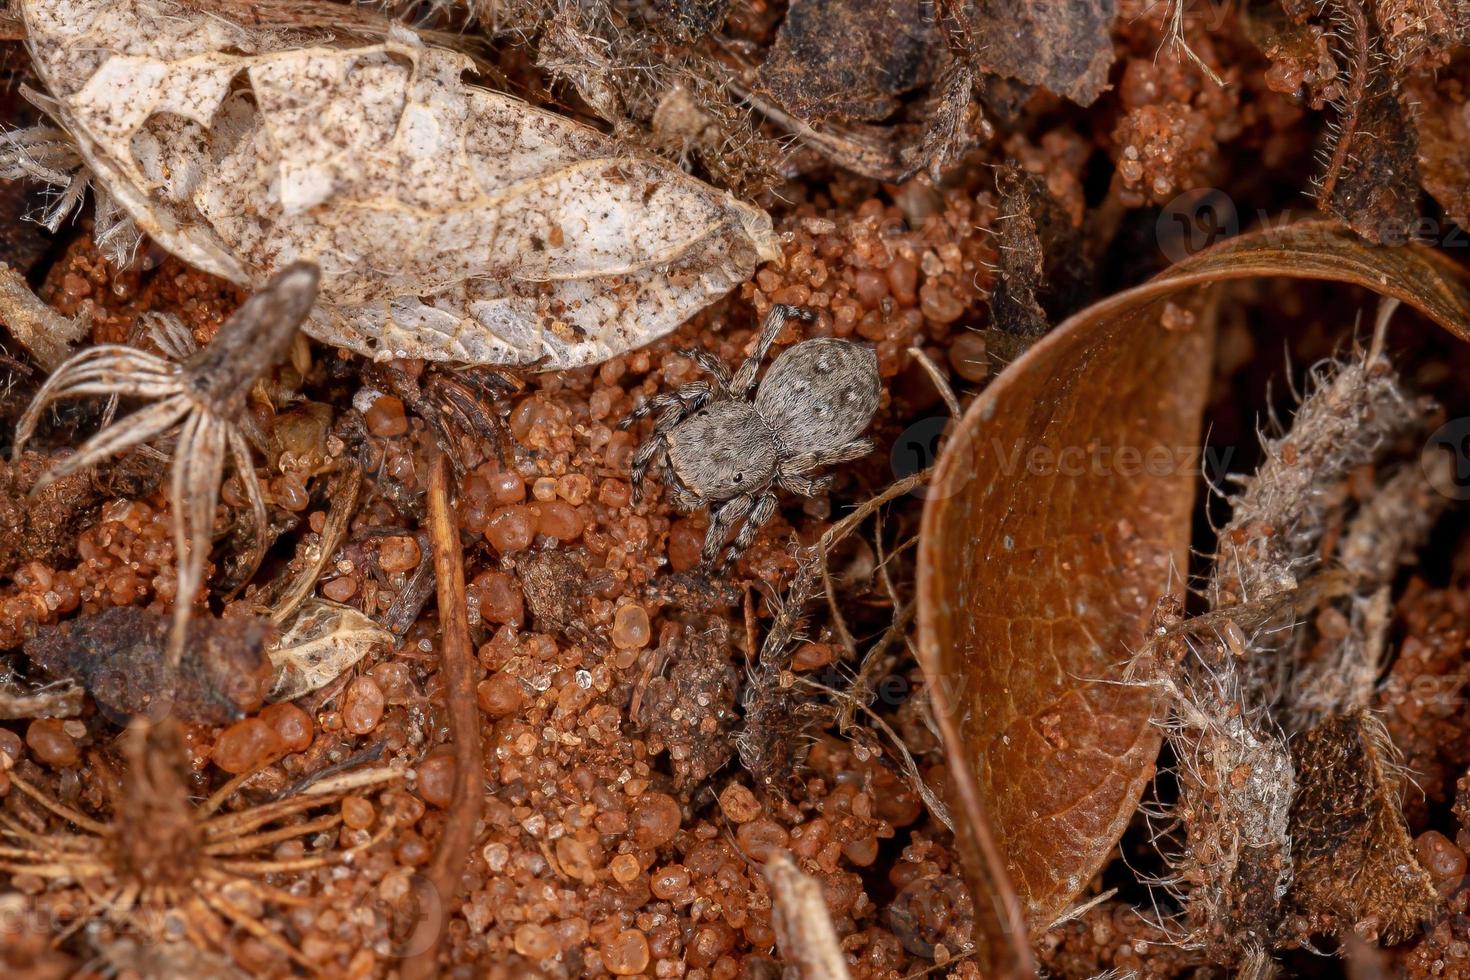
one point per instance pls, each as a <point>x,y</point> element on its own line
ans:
<point>804,929</point>
<point>46,334</point>
<point>457,659</point>
<point>342,494</point>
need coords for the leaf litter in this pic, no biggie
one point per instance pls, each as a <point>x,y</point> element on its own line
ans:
<point>618,834</point>
<point>449,222</point>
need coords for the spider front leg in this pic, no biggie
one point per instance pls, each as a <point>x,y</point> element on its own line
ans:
<point>710,364</point>
<point>744,379</point>
<point>753,510</point>
<point>721,520</point>
<point>653,448</point>
<point>672,408</point>
<point>764,509</point>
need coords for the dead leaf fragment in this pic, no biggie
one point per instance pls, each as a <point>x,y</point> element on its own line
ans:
<point>1355,861</point>
<point>1036,579</point>
<point>322,641</point>
<point>1067,48</point>
<point>849,59</point>
<point>450,222</point>
<point>118,657</point>
<point>1443,129</point>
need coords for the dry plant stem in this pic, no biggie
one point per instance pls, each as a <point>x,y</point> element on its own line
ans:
<point>343,494</point>
<point>801,587</point>
<point>1357,22</point>
<point>456,666</point>
<point>940,382</point>
<point>62,700</point>
<point>45,334</point>
<point>804,931</point>
<point>910,767</point>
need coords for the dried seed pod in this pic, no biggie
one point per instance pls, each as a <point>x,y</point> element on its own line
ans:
<point>200,395</point>
<point>450,222</point>
<point>323,641</point>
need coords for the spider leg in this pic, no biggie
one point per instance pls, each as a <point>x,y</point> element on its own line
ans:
<point>744,379</point>
<point>804,485</point>
<point>721,520</point>
<point>672,407</point>
<point>804,463</point>
<point>765,507</point>
<point>655,447</point>
<point>711,364</point>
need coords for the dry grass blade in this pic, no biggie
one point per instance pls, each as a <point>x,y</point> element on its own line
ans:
<point>456,666</point>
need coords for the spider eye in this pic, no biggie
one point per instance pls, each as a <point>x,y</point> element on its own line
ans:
<point>739,477</point>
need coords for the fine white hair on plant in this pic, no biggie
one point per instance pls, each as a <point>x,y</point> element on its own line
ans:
<point>1235,683</point>
<point>198,397</point>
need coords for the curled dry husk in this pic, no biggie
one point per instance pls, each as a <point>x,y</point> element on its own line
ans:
<point>322,641</point>
<point>1037,581</point>
<point>449,222</point>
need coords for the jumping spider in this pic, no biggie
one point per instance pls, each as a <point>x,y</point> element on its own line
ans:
<point>719,446</point>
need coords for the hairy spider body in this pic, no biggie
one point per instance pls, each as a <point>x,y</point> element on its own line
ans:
<point>719,446</point>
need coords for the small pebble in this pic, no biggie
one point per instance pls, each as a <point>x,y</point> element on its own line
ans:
<point>386,418</point>
<point>624,868</point>
<point>511,528</point>
<point>247,745</point>
<point>290,723</point>
<point>436,780</point>
<point>656,819</point>
<point>398,553</point>
<point>499,695</point>
<point>534,941</point>
<point>1440,856</point>
<point>739,804</point>
<point>626,954</point>
<point>559,520</point>
<point>631,629</point>
<point>51,744</point>
<point>357,813</point>
<point>362,708</point>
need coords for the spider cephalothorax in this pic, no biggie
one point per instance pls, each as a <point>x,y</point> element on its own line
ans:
<point>718,445</point>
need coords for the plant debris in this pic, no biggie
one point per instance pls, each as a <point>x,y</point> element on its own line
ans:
<point>117,657</point>
<point>1044,682</point>
<point>515,236</point>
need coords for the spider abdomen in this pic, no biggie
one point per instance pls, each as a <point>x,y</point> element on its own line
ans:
<point>820,394</point>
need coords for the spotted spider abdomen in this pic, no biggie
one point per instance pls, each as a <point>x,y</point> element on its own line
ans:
<point>820,394</point>
<point>723,450</point>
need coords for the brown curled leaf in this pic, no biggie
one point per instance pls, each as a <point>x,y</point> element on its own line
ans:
<point>1036,580</point>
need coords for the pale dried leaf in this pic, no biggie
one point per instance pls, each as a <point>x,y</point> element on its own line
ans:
<point>450,222</point>
<point>323,641</point>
